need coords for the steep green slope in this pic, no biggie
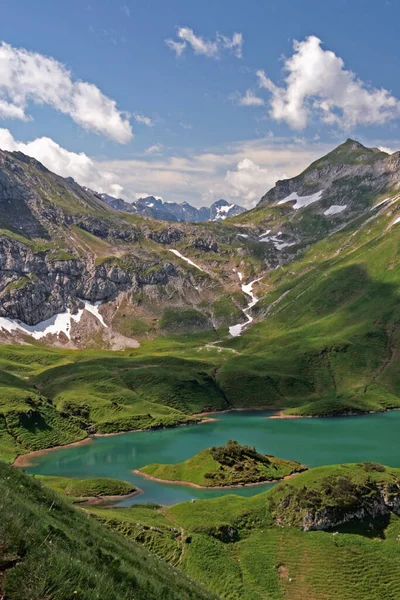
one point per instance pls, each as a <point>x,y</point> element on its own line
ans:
<point>254,548</point>
<point>327,334</point>
<point>51,550</point>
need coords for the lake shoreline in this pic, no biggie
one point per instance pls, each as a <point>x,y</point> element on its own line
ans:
<point>100,501</point>
<point>28,459</point>
<point>215,487</point>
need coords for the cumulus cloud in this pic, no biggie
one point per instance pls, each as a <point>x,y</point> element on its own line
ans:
<point>249,181</point>
<point>387,149</point>
<point>31,77</point>
<point>200,45</point>
<point>317,83</point>
<point>143,120</point>
<point>63,162</point>
<point>250,99</point>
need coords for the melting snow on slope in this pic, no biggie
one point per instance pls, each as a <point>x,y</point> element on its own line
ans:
<point>279,245</point>
<point>243,235</point>
<point>190,262</point>
<point>94,309</point>
<point>379,203</point>
<point>60,323</point>
<point>302,201</point>
<point>396,221</point>
<point>236,330</point>
<point>335,209</point>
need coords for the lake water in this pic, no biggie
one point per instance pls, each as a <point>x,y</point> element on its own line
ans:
<point>310,441</point>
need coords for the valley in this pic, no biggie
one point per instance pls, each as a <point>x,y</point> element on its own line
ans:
<point>143,346</point>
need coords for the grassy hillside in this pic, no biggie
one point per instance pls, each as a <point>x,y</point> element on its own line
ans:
<point>327,337</point>
<point>50,549</point>
<point>234,546</point>
<point>52,397</point>
<point>231,464</point>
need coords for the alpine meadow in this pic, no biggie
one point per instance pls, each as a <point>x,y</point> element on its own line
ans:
<point>200,382</point>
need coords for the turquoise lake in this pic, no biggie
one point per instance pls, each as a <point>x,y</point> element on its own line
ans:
<point>311,441</point>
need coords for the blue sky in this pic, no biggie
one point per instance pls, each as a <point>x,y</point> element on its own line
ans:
<point>208,113</point>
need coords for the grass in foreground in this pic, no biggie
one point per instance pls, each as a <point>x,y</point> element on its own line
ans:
<point>51,550</point>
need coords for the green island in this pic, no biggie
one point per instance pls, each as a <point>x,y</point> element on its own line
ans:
<point>230,465</point>
<point>88,490</point>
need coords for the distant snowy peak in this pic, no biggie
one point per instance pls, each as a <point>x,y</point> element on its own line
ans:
<point>221,210</point>
<point>173,211</point>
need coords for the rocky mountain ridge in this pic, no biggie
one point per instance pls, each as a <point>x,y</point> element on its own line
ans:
<point>175,212</point>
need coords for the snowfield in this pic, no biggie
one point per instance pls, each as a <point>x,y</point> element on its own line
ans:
<point>190,262</point>
<point>60,323</point>
<point>335,209</point>
<point>302,201</point>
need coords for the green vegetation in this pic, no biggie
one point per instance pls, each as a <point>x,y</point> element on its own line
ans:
<point>235,547</point>
<point>79,490</point>
<point>183,320</point>
<point>232,464</point>
<point>50,549</point>
<point>51,397</point>
<point>326,496</point>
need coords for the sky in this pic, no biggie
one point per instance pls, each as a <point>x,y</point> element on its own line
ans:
<point>195,101</point>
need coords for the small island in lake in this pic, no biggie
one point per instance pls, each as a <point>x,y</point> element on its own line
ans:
<point>230,465</point>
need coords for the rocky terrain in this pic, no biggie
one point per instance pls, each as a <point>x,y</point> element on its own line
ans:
<point>62,246</point>
<point>173,211</point>
<point>72,265</point>
<point>328,497</point>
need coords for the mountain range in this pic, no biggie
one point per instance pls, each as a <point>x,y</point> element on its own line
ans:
<point>173,211</point>
<point>111,321</point>
<point>312,268</point>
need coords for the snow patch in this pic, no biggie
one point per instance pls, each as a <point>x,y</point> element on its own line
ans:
<point>379,203</point>
<point>243,235</point>
<point>278,243</point>
<point>94,310</point>
<point>247,288</point>
<point>396,221</point>
<point>190,262</point>
<point>59,323</point>
<point>302,201</point>
<point>335,209</point>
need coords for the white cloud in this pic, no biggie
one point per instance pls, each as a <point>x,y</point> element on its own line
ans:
<point>154,149</point>
<point>200,45</point>
<point>143,120</point>
<point>248,182</point>
<point>186,126</point>
<point>65,163</point>
<point>250,99</point>
<point>318,84</point>
<point>126,10</point>
<point>31,77</point>
<point>386,149</point>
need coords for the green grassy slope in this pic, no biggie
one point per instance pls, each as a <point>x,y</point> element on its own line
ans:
<point>232,464</point>
<point>52,397</point>
<point>234,546</point>
<point>52,550</point>
<point>328,332</point>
